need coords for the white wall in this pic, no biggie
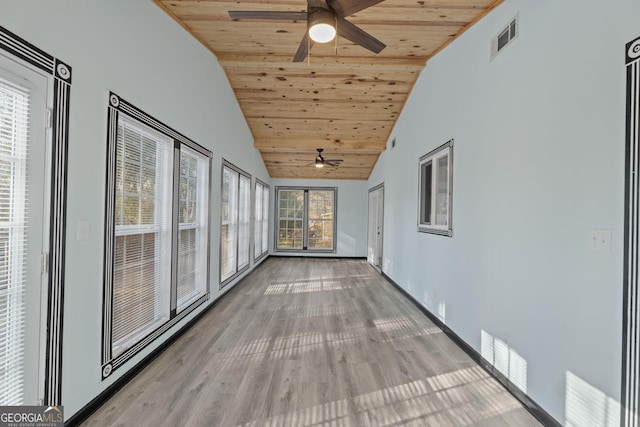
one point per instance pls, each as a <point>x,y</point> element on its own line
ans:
<point>134,49</point>
<point>351,216</point>
<point>538,162</point>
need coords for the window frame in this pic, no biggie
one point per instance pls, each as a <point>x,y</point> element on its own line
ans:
<point>264,220</point>
<point>224,281</point>
<point>432,157</point>
<point>119,109</point>
<point>305,220</point>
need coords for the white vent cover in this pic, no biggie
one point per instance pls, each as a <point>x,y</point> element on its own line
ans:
<point>505,37</point>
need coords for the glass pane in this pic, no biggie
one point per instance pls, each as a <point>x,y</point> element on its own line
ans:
<point>142,278</point>
<point>442,191</point>
<point>290,225</point>
<point>425,197</point>
<point>14,112</point>
<point>320,223</point>
<point>244,215</point>
<point>229,232</point>
<point>193,234</point>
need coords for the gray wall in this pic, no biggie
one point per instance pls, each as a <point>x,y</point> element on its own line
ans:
<point>134,49</point>
<point>538,164</point>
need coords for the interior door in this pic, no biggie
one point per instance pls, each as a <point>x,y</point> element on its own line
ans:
<point>375,227</point>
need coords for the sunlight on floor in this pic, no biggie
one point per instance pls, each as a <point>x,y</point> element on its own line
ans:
<point>462,398</point>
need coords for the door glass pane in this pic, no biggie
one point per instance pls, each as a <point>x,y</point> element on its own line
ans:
<point>14,113</point>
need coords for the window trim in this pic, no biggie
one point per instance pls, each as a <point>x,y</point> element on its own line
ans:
<point>265,248</point>
<point>239,271</point>
<point>305,219</point>
<point>445,149</point>
<point>116,107</point>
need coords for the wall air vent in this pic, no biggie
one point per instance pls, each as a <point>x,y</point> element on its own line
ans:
<point>505,37</point>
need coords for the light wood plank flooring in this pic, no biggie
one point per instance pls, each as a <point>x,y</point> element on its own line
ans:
<point>313,342</point>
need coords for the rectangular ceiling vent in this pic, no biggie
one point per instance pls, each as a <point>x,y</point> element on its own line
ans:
<point>505,37</point>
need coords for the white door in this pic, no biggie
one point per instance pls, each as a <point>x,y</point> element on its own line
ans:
<point>24,166</point>
<point>376,209</point>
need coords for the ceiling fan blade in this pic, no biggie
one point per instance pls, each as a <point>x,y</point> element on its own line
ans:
<point>346,8</point>
<point>331,163</point>
<point>357,35</point>
<point>268,14</point>
<point>303,49</point>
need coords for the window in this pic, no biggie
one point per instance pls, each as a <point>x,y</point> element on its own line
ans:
<point>306,219</point>
<point>157,230</point>
<point>261,220</point>
<point>235,228</point>
<point>435,191</point>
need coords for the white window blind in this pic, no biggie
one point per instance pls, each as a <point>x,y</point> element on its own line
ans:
<point>257,226</point>
<point>142,259</point>
<point>14,125</point>
<point>244,218</point>
<point>261,220</point>
<point>265,219</point>
<point>229,232</point>
<point>193,227</point>
<point>236,222</point>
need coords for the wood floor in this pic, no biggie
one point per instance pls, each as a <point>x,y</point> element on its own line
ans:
<point>312,342</point>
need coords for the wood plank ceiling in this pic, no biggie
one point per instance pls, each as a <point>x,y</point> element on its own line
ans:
<point>345,103</point>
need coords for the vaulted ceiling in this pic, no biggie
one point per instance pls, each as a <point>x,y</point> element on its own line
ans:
<point>345,102</point>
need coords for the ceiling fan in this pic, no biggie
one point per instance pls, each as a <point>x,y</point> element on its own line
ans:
<point>320,161</point>
<point>325,19</point>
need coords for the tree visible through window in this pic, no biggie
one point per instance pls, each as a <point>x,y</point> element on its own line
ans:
<point>306,219</point>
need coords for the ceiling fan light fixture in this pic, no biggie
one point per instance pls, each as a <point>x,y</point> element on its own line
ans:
<point>319,161</point>
<point>322,26</point>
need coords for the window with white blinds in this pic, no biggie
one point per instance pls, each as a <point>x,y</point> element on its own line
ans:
<point>235,225</point>
<point>142,261</point>
<point>244,224</point>
<point>14,124</point>
<point>157,231</point>
<point>261,220</point>
<point>193,227</point>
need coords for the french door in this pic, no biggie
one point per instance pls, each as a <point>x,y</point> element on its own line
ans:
<point>25,154</point>
<point>376,211</point>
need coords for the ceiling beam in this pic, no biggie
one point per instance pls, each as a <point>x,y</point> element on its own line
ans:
<point>354,146</point>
